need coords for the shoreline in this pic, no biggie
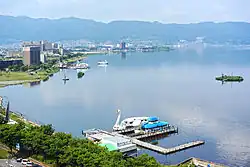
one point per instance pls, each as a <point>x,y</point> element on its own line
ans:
<point>4,84</point>
<point>190,161</point>
<point>20,78</point>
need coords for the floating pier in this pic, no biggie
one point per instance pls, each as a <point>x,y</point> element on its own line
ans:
<point>165,151</point>
<point>100,135</point>
<point>126,130</point>
<point>199,162</point>
<point>166,131</point>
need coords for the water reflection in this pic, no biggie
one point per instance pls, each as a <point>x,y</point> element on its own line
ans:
<point>104,66</point>
<point>123,55</point>
<point>32,84</point>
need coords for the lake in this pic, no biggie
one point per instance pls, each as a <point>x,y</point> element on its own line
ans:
<point>177,86</point>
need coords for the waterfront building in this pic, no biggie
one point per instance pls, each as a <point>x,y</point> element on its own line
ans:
<point>113,141</point>
<point>31,55</point>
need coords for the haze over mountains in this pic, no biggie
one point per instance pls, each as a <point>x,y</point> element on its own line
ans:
<point>25,28</point>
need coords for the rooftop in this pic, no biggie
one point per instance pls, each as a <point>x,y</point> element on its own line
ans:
<point>106,137</point>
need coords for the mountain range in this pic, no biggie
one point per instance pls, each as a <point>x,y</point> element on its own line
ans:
<point>25,28</point>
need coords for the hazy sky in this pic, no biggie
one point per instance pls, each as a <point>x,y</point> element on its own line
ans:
<point>168,11</point>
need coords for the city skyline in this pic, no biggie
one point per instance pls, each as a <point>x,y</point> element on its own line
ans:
<point>171,11</point>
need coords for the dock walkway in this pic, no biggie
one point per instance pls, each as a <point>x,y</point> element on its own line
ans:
<point>157,133</point>
<point>137,140</point>
<point>167,150</point>
<point>126,130</point>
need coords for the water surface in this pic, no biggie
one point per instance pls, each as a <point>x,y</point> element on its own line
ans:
<point>177,86</point>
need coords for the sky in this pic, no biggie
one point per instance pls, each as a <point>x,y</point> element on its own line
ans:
<point>166,11</point>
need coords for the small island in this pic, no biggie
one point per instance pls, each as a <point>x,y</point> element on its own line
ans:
<point>80,74</point>
<point>229,78</point>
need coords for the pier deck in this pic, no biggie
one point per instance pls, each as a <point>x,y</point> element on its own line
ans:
<point>167,150</point>
<point>200,163</point>
<point>126,130</point>
<point>137,140</point>
<point>157,133</point>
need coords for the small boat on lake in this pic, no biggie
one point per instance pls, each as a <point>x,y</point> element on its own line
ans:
<point>65,78</point>
<point>102,62</point>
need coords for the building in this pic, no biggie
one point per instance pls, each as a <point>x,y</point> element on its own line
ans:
<point>48,46</point>
<point>43,58</point>
<point>113,141</point>
<point>31,55</point>
<point>61,51</point>
<point>13,53</point>
<point>123,46</point>
<point>7,63</point>
<point>55,46</point>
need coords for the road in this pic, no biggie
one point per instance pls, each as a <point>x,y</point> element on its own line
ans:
<point>13,162</point>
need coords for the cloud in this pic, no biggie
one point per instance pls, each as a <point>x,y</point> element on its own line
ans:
<point>180,11</point>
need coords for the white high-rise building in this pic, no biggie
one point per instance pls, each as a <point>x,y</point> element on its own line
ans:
<point>43,58</point>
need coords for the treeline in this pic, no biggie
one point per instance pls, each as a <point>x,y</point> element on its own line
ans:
<point>61,149</point>
<point>70,56</point>
<point>25,68</point>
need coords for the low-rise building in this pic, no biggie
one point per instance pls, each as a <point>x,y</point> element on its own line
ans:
<point>113,141</point>
<point>7,63</point>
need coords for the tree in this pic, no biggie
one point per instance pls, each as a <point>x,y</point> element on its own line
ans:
<point>143,161</point>
<point>10,134</point>
<point>57,144</point>
<point>47,129</point>
<point>62,149</point>
<point>24,68</point>
<point>2,120</point>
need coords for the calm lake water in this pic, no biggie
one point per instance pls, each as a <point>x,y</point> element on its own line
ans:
<point>177,86</point>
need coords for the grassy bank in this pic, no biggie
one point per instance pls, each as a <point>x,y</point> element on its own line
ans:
<point>15,76</point>
<point>18,77</point>
<point>3,153</point>
<point>74,59</point>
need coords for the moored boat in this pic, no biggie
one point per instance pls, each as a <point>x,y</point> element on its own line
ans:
<point>81,66</point>
<point>102,62</point>
<point>132,122</point>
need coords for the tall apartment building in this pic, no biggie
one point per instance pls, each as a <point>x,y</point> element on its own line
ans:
<point>31,55</point>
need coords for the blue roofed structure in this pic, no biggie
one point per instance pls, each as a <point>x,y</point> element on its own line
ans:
<point>153,119</point>
<point>153,122</point>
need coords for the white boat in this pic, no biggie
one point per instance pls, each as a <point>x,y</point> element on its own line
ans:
<point>81,66</point>
<point>102,62</point>
<point>127,123</point>
<point>65,77</point>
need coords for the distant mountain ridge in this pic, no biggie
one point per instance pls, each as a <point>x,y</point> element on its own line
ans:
<point>25,28</point>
